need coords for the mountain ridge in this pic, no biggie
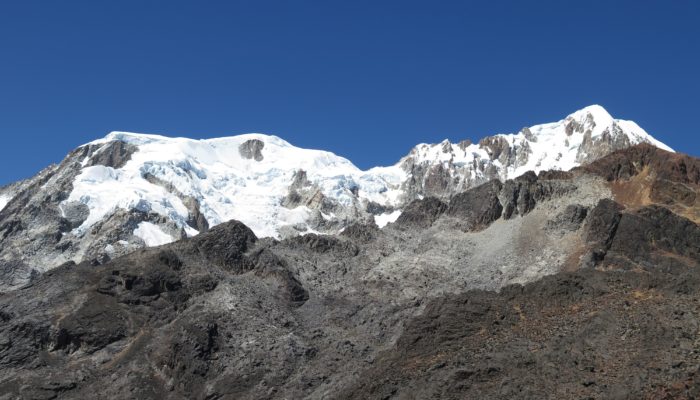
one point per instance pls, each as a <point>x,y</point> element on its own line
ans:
<point>127,191</point>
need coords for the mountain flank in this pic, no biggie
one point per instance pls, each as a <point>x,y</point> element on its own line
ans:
<point>562,284</point>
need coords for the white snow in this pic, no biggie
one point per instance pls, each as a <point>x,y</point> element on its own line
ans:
<point>4,200</point>
<point>151,234</point>
<point>552,149</point>
<point>229,186</point>
<point>383,219</point>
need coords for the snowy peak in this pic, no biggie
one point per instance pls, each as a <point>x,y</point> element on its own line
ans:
<point>444,169</point>
<point>176,187</point>
<point>242,177</point>
<point>595,119</point>
<point>581,137</point>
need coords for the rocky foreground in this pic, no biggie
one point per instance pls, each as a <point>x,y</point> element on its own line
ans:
<point>581,284</point>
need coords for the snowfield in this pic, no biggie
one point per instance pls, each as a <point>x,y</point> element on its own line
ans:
<point>226,184</point>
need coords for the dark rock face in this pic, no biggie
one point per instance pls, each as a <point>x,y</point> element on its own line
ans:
<point>421,213</point>
<point>627,163</point>
<point>271,266</point>
<point>497,148</point>
<point>588,334</point>
<point>15,273</point>
<point>225,244</point>
<point>189,353</point>
<point>670,193</point>
<point>75,213</point>
<point>654,237</point>
<point>519,195</point>
<point>361,232</point>
<point>252,149</point>
<point>601,227</point>
<point>113,154</point>
<point>555,175</point>
<point>195,219</point>
<point>96,324</point>
<point>478,207</point>
<point>103,331</point>
<point>570,220</point>
<point>649,237</point>
<point>324,244</point>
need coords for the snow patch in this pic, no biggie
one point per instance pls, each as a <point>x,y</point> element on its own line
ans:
<point>383,219</point>
<point>152,235</point>
<point>4,200</point>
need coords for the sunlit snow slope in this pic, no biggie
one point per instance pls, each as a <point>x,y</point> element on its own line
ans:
<point>226,184</point>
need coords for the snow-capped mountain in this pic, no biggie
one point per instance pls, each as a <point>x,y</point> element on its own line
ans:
<point>245,177</point>
<point>584,136</point>
<point>128,190</point>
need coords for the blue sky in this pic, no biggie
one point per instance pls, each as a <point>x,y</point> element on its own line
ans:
<point>364,79</point>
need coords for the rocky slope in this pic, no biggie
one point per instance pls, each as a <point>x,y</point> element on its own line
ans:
<point>579,284</point>
<point>130,191</point>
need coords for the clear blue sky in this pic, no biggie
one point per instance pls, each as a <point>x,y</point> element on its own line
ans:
<point>364,79</point>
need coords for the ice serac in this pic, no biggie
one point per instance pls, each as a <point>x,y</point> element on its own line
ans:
<point>129,190</point>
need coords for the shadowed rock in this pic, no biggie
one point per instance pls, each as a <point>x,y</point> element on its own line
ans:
<point>600,230</point>
<point>654,237</point>
<point>478,207</point>
<point>421,213</point>
<point>224,245</point>
<point>324,244</point>
<point>113,154</point>
<point>361,232</point>
<point>570,219</point>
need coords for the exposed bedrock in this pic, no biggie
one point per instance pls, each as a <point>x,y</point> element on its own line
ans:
<point>252,149</point>
<point>653,237</point>
<point>478,207</point>
<point>113,154</point>
<point>588,334</point>
<point>627,163</point>
<point>421,213</point>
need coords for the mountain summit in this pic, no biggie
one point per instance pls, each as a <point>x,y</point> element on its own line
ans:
<point>128,190</point>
